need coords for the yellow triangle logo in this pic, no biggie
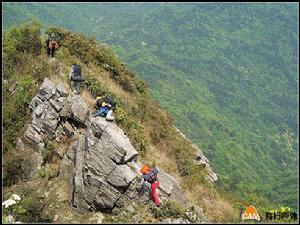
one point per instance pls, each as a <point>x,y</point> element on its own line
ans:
<point>251,214</point>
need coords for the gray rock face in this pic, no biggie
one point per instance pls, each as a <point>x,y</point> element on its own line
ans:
<point>62,90</point>
<point>202,160</point>
<point>79,109</point>
<point>33,135</point>
<point>46,90</point>
<point>170,187</point>
<point>55,105</point>
<point>199,212</point>
<point>68,129</point>
<point>115,138</point>
<point>35,101</point>
<point>97,167</point>
<point>51,107</point>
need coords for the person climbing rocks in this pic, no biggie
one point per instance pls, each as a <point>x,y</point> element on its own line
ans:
<point>150,176</point>
<point>76,77</point>
<point>104,107</point>
<point>53,46</point>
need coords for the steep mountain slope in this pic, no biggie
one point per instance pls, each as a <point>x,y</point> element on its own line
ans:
<point>226,72</point>
<point>34,145</point>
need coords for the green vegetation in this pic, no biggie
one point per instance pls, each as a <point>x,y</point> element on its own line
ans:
<point>169,210</point>
<point>16,166</point>
<point>28,209</point>
<point>230,82</point>
<point>146,124</point>
<point>227,73</point>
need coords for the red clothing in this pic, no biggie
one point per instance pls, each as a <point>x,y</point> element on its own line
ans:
<point>153,192</point>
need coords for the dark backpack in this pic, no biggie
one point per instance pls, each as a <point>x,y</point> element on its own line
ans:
<point>77,76</point>
<point>111,101</point>
<point>108,100</point>
<point>151,176</point>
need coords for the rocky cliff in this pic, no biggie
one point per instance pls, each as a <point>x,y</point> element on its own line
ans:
<point>100,164</point>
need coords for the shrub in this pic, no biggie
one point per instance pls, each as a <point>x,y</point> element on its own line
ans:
<point>94,87</point>
<point>170,209</point>
<point>34,207</point>
<point>17,165</point>
<point>134,130</point>
<point>40,69</point>
<point>20,41</point>
<point>41,172</point>
<point>83,48</point>
<point>15,110</point>
<point>48,152</point>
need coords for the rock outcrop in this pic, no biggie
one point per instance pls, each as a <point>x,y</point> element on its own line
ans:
<point>53,111</point>
<point>202,160</point>
<point>100,163</point>
<point>97,166</point>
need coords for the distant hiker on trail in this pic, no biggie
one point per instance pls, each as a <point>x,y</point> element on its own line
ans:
<point>48,47</point>
<point>53,46</point>
<point>76,77</point>
<point>150,176</point>
<point>104,107</point>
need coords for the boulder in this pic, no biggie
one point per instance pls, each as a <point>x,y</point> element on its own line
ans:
<point>39,110</point>
<point>115,138</point>
<point>35,101</point>
<point>203,161</point>
<point>33,135</point>
<point>46,90</point>
<point>79,110</point>
<point>62,90</point>
<point>56,105</point>
<point>170,188</point>
<point>50,122</point>
<point>166,182</point>
<point>68,129</point>
<point>121,176</point>
<point>96,165</point>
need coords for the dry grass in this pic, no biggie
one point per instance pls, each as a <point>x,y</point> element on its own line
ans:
<point>104,77</point>
<point>161,159</point>
<point>215,208</point>
<point>88,100</point>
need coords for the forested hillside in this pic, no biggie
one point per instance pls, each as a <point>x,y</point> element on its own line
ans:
<point>226,72</point>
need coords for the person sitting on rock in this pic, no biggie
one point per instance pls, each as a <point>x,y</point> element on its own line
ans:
<point>105,108</point>
<point>150,176</point>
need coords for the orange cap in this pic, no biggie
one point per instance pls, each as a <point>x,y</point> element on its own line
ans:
<point>145,169</point>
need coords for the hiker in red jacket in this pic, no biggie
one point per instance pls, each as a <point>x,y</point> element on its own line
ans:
<point>150,176</point>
